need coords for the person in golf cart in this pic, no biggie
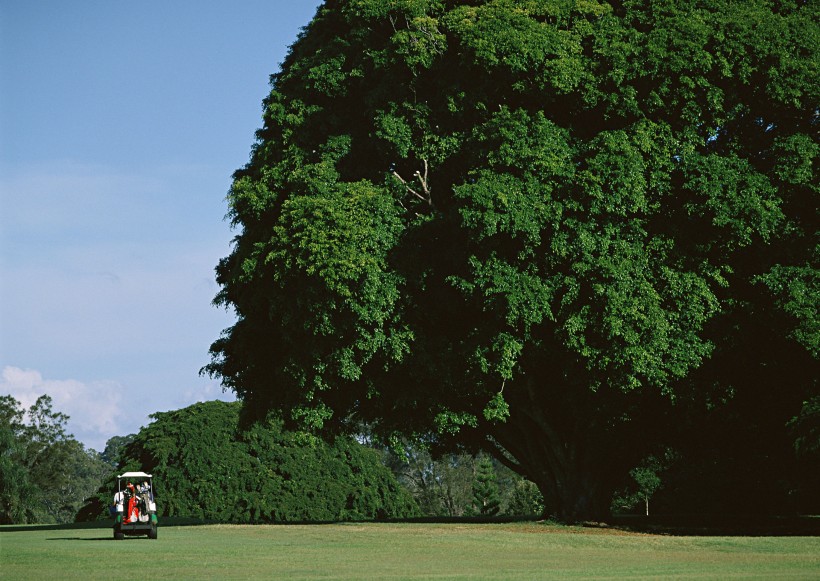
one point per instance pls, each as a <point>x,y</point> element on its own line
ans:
<point>133,501</point>
<point>134,510</point>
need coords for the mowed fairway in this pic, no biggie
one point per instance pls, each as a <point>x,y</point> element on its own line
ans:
<point>398,551</point>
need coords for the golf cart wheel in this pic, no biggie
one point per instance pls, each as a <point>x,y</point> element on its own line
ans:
<point>118,536</point>
<point>152,534</point>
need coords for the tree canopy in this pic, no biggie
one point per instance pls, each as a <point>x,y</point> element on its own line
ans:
<point>205,466</point>
<point>45,474</point>
<point>524,226</point>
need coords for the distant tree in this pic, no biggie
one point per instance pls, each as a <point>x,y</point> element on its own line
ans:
<point>114,448</point>
<point>45,473</point>
<point>19,498</point>
<point>205,466</point>
<point>486,499</point>
<point>525,227</point>
<point>805,431</point>
<point>646,480</point>
<point>648,483</point>
<point>442,485</point>
<point>524,499</point>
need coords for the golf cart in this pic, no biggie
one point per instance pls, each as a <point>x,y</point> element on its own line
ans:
<point>134,509</point>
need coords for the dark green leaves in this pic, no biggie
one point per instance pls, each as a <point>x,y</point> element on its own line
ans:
<point>572,200</point>
<point>205,466</point>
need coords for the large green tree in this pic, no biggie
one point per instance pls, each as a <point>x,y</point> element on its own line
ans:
<point>206,466</point>
<point>521,225</point>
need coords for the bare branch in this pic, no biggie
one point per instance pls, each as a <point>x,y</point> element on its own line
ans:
<point>408,188</point>
<point>425,195</point>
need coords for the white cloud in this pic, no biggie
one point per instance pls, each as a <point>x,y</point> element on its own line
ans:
<point>95,408</point>
<point>206,392</point>
<point>99,410</point>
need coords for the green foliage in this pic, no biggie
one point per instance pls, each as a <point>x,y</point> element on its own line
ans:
<point>646,481</point>
<point>18,496</point>
<point>797,292</point>
<point>486,499</point>
<point>114,448</point>
<point>45,474</point>
<point>806,429</point>
<point>441,487</point>
<point>525,499</point>
<point>206,467</point>
<point>578,203</point>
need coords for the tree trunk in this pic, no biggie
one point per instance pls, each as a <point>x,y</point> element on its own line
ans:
<point>569,447</point>
<point>575,498</point>
<point>574,488</point>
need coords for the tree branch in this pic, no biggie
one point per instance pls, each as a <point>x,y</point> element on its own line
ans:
<point>425,195</point>
<point>504,456</point>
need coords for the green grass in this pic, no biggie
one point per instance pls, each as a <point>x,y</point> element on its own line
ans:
<point>398,551</point>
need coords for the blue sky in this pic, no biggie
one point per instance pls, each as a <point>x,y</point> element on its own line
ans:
<point>120,126</point>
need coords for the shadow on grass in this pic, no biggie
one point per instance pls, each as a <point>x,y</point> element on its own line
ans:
<point>79,539</point>
<point>56,527</point>
<point>99,524</point>
<point>672,525</point>
<point>729,526</point>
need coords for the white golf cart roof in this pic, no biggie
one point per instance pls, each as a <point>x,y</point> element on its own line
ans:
<point>134,475</point>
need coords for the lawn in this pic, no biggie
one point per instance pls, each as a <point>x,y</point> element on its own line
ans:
<point>399,551</point>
